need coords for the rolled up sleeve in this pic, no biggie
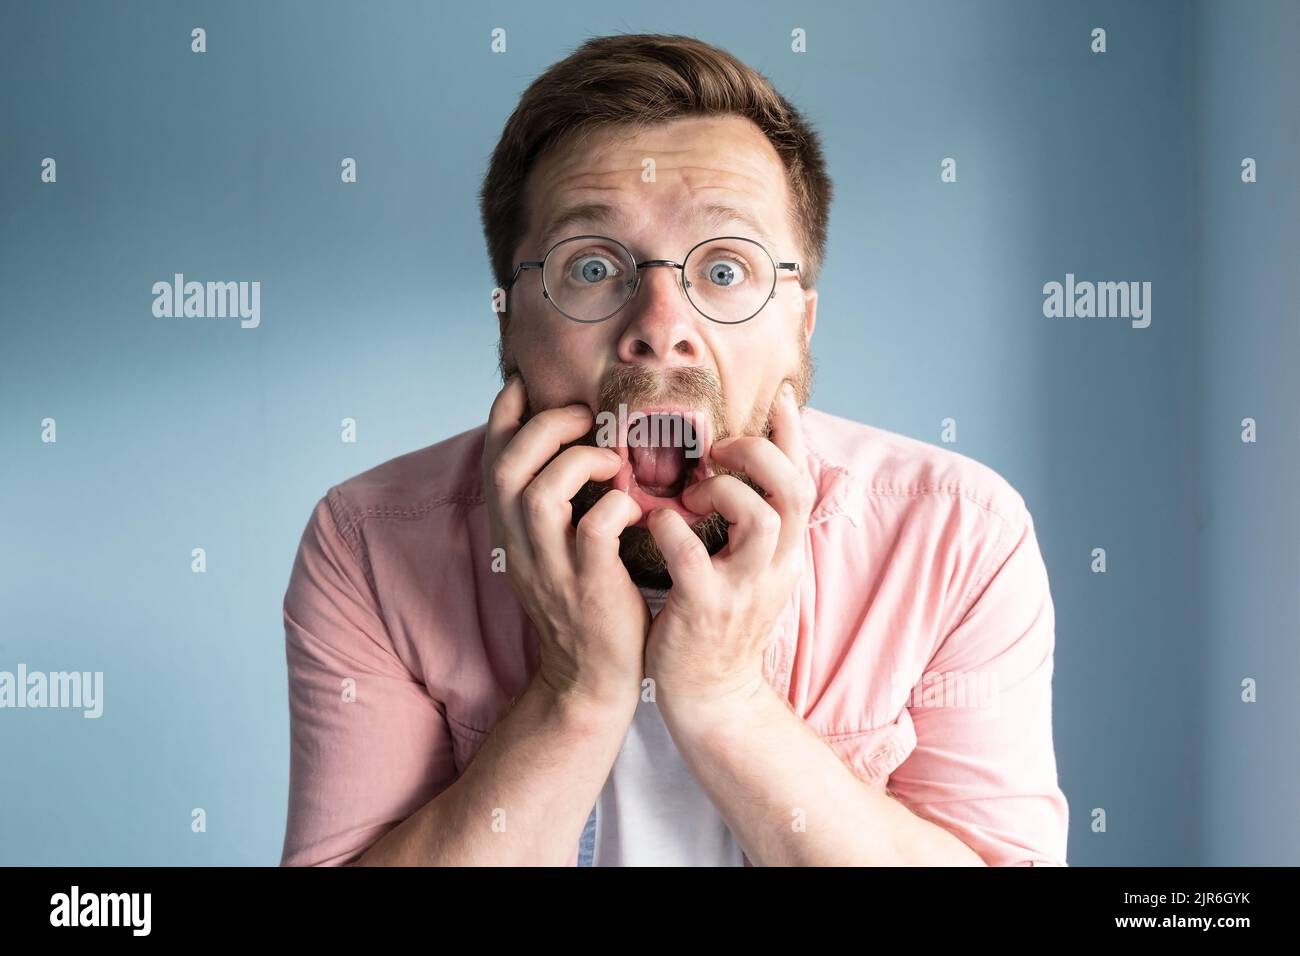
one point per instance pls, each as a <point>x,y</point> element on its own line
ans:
<point>368,745</point>
<point>985,769</point>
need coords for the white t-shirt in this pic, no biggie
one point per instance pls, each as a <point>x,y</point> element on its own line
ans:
<point>652,811</point>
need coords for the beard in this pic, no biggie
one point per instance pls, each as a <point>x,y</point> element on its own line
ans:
<point>633,386</point>
<point>695,387</point>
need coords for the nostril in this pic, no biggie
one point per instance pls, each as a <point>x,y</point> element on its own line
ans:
<point>684,348</point>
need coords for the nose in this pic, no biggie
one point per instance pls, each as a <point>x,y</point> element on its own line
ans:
<point>661,327</point>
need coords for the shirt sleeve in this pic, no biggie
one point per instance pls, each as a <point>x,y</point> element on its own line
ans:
<point>984,767</point>
<point>368,745</point>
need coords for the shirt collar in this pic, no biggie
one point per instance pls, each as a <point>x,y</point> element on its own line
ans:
<point>839,492</point>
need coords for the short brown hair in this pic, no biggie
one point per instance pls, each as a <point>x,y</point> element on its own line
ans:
<point>641,80</point>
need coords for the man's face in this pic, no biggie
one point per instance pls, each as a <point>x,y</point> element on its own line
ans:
<point>699,380</point>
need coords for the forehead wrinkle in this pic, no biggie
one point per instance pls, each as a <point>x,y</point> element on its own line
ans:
<point>711,215</point>
<point>756,180</point>
<point>748,177</point>
<point>580,212</point>
<point>696,177</point>
<point>614,152</point>
<point>573,178</point>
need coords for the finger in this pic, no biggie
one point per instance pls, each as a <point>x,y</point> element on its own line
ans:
<point>756,526</point>
<point>764,463</point>
<point>599,529</point>
<point>787,427</point>
<point>788,491</point>
<point>547,508</point>
<point>801,494</point>
<point>534,444</point>
<point>785,480</point>
<point>684,553</point>
<point>504,419</point>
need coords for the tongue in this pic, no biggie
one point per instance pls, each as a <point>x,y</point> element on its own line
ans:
<point>659,471</point>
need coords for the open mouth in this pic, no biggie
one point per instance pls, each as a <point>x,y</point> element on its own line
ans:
<point>665,450</point>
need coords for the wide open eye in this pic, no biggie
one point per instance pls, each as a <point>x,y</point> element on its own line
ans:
<point>721,266</point>
<point>593,269</point>
<point>724,272</point>
<point>728,279</point>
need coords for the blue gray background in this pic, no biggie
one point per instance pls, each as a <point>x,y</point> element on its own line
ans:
<point>175,434</point>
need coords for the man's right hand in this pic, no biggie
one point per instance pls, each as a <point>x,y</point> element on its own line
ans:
<point>591,618</point>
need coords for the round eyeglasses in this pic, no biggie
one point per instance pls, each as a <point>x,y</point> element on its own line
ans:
<point>589,278</point>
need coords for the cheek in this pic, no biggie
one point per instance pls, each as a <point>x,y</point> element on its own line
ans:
<point>755,373</point>
<point>558,369</point>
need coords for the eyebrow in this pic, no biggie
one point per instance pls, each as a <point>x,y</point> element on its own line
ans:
<point>712,215</point>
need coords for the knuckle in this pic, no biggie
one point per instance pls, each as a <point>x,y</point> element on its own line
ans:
<point>535,501</point>
<point>500,475</point>
<point>555,419</point>
<point>689,553</point>
<point>768,522</point>
<point>745,445</point>
<point>729,484</point>
<point>805,495</point>
<point>584,456</point>
<point>591,530</point>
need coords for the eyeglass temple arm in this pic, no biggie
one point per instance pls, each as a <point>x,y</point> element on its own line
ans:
<point>526,264</point>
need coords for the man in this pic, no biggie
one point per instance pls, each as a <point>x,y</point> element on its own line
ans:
<point>775,637</point>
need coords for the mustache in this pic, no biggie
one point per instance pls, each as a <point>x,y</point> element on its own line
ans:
<point>693,386</point>
<point>636,386</point>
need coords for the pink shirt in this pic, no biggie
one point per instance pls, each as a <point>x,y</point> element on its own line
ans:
<point>918,643</point>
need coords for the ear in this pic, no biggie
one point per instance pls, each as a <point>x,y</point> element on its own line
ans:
<point>809,312</point>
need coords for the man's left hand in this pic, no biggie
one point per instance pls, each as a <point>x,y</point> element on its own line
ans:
<point>705,648</point>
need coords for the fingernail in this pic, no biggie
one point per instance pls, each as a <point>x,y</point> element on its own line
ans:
<point>579,411</point>
<point>789,391</point>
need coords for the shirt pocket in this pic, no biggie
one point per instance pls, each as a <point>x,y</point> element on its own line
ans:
<point>465,742</point>
<point>875,754</point>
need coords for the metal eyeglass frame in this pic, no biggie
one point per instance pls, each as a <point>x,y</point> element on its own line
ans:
<point>636,281</point>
